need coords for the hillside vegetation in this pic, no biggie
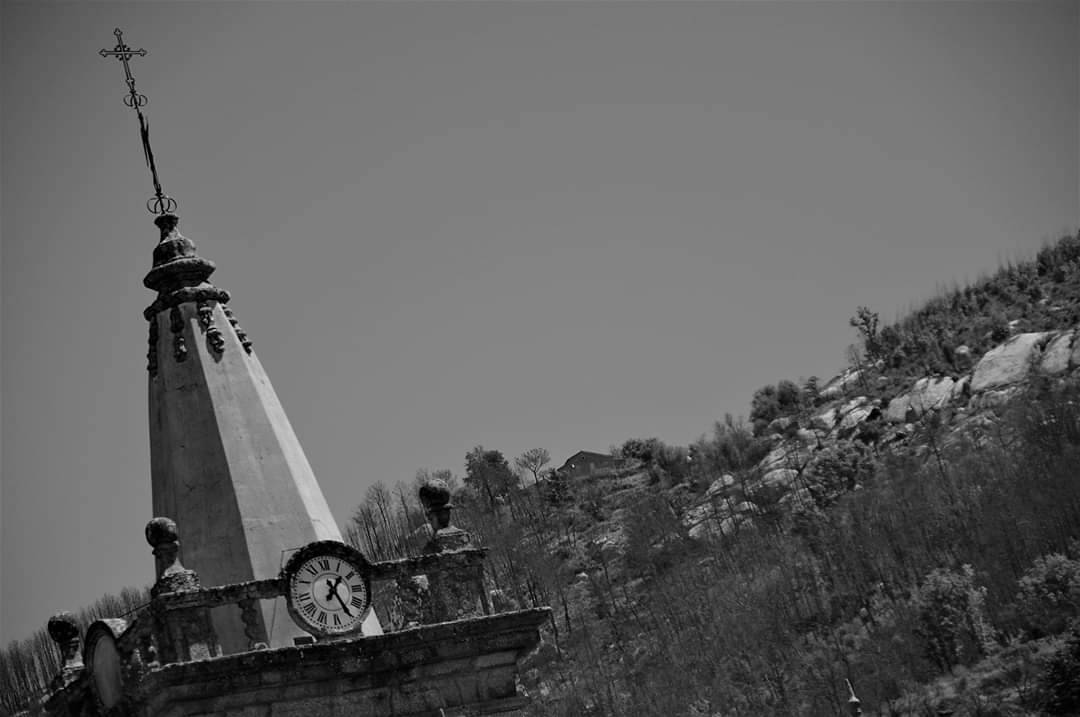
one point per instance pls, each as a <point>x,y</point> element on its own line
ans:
<point>909,527</point>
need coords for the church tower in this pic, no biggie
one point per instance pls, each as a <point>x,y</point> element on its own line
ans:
<point>224,460</point>
<point>248,557</point>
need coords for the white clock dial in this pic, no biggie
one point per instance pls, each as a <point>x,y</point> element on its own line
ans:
<point>328,589</point>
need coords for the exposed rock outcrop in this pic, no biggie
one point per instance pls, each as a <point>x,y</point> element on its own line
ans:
<point>786,454</point>
<point>1055,359</point>
<point>961,390</point>
<point>779,477</point>
<point>720,486</point>
<point>1009,363</point>
<point>840,385</point>
<point>927,393</point>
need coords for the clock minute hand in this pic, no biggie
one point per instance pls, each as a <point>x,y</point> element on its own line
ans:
<point>334,592</point>
<point>343,605</point>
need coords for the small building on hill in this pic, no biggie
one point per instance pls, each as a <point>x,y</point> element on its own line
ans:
<point>584,463</point>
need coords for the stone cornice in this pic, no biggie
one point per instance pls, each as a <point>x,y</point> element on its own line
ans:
<point>206,292</point>
<point>514,633</point>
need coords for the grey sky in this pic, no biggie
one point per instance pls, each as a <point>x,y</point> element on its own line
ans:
<point>558,224</point>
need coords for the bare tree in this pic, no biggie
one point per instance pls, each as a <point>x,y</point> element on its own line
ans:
<point>533,460</point>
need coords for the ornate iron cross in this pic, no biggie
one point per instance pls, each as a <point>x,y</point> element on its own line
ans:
<point>160,203</point>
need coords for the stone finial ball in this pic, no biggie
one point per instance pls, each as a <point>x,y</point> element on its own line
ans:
<point>161,530</point>
<point>435,495</point>
<point>63,628</point>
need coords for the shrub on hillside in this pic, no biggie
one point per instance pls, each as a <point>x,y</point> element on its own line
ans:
<point>1040,293</point>
<point>772,402</point>
<point>837,469</point>
<point>557,489</point>
<point>734,447</point>
<point>866,322</point>
<point>951,617</point>
<point>1050,594</point>
<point>663,462</point>
<point>1049,418</point>
<point>642,449</point>
<point>1060,680</point>
<point>672,460</point>
<point>589,498</point>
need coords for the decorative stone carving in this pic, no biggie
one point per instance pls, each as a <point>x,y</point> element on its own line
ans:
<point>151,351</point>
<point>240,333</point>
<point>64,631</point>
<point>451,595</point>
<point>176,325</point>
<point>214,339</point>
<point>179,275</point>
<point>185,295</point>
<point>183,633</point>
<point>206,314</point>
<point>171,575</point>
<point>435,497</point>
<point>176,264</point>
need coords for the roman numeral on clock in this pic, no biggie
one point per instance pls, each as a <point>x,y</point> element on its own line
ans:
<point>321,618</point>
<point>324,564</point>
<point>337,620</point>
<point>311,569</point>
<point>310,609</point>
<point>357,602</point>
<point>304,597</point>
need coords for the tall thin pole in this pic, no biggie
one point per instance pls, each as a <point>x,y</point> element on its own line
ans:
<point>160,203</point>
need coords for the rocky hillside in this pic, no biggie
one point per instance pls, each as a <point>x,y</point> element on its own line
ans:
<point>963,406</point>
<point>909,527</point>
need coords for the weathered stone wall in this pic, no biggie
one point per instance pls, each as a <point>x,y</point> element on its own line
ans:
<point>464,667</point>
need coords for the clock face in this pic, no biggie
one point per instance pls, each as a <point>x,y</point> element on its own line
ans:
<point>328,590</point>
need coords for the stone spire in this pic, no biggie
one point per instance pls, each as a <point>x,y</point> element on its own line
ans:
<point>225,464</point>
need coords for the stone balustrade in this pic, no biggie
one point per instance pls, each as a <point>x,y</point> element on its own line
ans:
<point>444,647</point>
<point>182,612</point>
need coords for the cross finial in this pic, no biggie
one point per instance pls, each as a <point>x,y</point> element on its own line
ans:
<point>160,203</point>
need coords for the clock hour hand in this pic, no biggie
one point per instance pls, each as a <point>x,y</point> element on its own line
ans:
<point>333,592</point>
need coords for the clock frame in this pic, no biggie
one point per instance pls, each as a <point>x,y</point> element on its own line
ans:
<point>327,588</point>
